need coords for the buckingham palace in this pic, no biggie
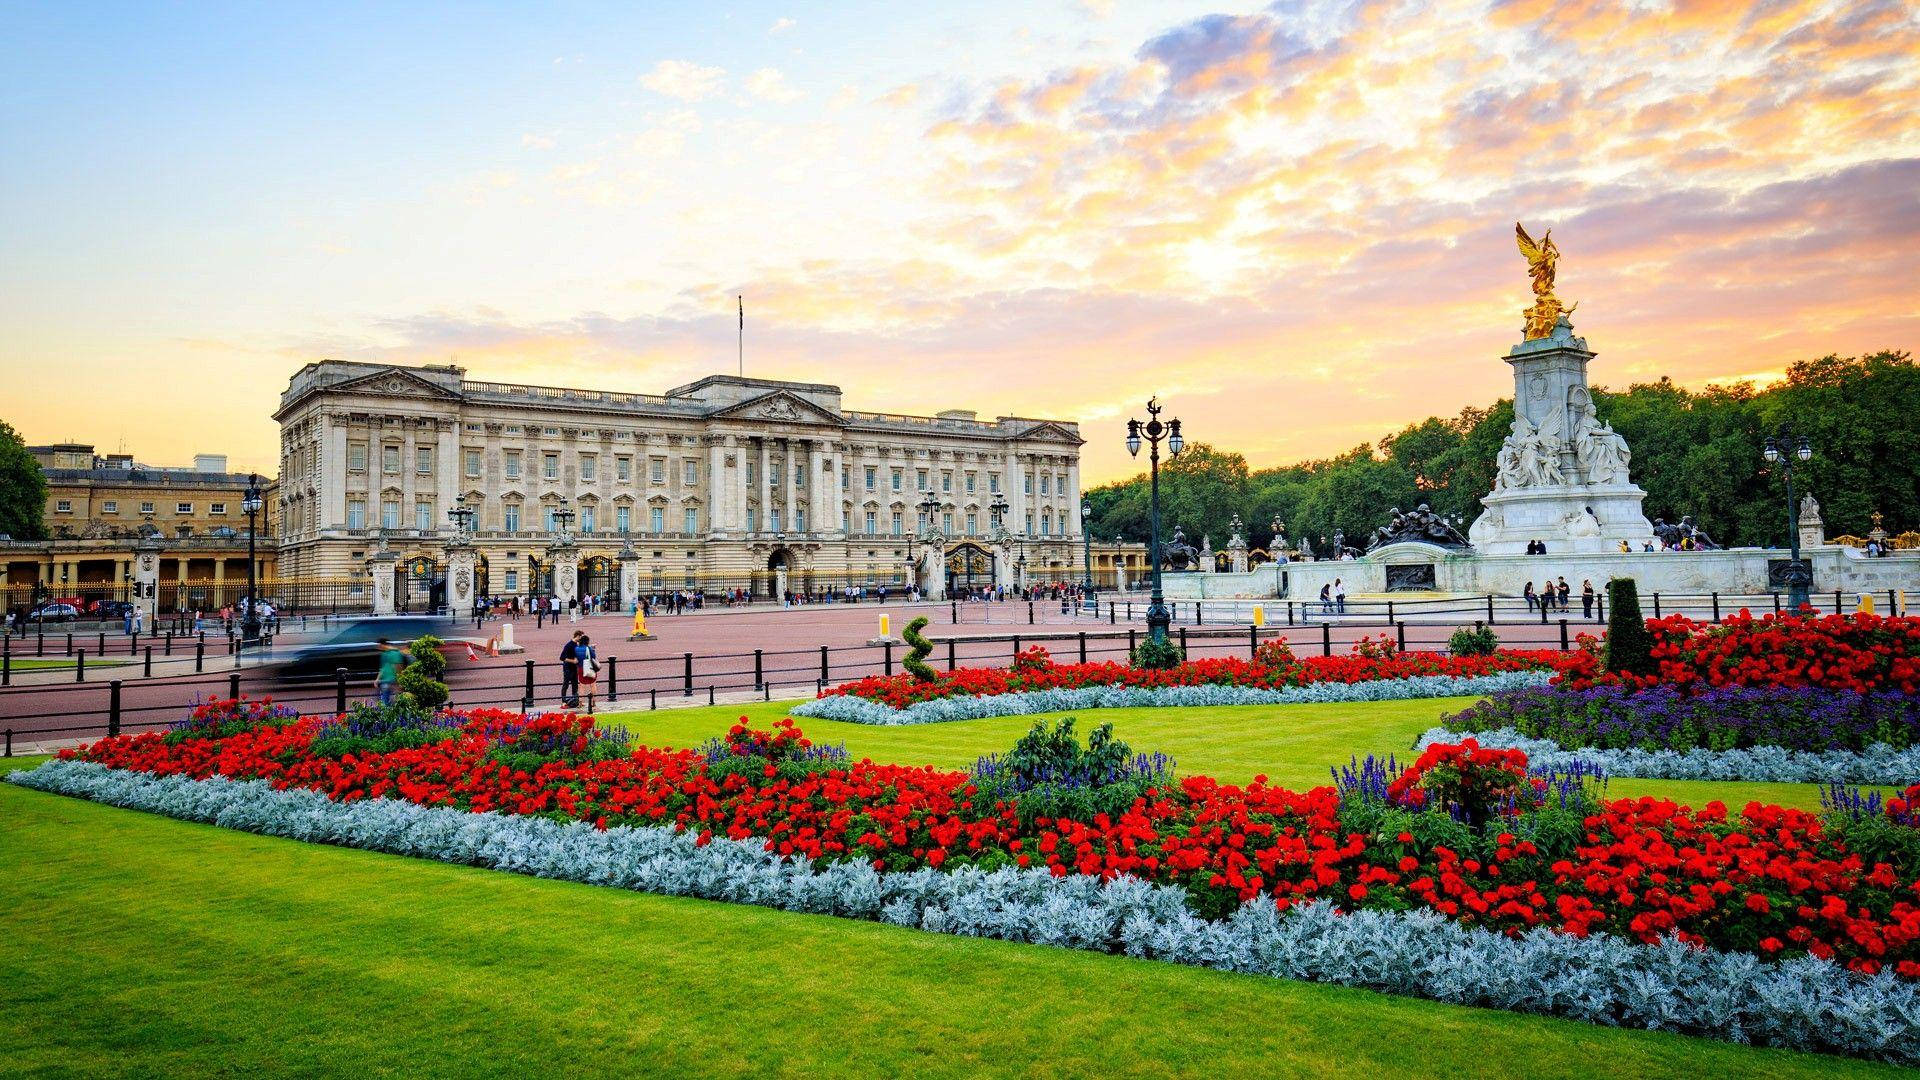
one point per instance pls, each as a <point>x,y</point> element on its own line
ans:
<point>724,483</point>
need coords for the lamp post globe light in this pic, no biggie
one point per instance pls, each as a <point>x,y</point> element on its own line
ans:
<point>250,623</point>
<point>1153,431</point>
<point>461,515</point>
<point>1783,450</point>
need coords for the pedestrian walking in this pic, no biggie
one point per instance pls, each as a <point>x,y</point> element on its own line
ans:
<point>1586,598</point>
<point>393,660</point>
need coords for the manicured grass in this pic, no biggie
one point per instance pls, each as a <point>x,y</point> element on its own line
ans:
<point>133,945</point>
<point>33,663</point>
<point>1293,745</point>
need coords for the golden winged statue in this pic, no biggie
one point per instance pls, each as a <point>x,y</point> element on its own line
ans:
<point>1541,257</point>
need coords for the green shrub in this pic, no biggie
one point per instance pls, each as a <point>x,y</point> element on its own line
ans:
<point>419,681</point>
<point>1048,773</point>
<point>1629,645</point>
<point>382,729</point>
<point>916,661</point>
<point>1479,641</point>
<point>1156,655</point>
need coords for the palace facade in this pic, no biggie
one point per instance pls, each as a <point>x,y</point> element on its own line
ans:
<point>724,483</point>
<point>100,506</point>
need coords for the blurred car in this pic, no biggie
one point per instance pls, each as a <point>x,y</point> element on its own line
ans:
<point>356,646</point>
<point>47,613</point>
<point>109,609</point>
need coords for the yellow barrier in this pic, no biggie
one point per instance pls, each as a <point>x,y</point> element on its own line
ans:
<point>886,625</point>
<point>1259,615</point>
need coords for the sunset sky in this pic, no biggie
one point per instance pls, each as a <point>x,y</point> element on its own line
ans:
<point>1293,223</point>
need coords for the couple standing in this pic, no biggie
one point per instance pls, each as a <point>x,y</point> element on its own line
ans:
<point>579,670</point>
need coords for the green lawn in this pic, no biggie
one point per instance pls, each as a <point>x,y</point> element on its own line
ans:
<point>34,663</point>
<point>133,945</point>
<point>1293,745</point>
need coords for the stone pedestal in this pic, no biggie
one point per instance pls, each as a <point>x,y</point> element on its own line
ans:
<point>146,579</point>
<point>380,567</point>
<point>1563,476</point>
<point>462,565</point>
<point>564,560</point>
<point>629,560</point>
<point>1813,530</point>
<point>930,567</point>
<point>505,643</point>
<point>1003,564</point>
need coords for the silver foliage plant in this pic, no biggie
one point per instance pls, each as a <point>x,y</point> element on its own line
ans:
<point>1804,1003</point>
<point>1877,764</point>
<point>859,710</point>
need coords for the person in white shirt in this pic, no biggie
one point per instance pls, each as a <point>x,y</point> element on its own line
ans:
<point>1339,596</point>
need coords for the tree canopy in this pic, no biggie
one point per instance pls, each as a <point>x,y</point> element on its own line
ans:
<point>23,489</point>
<point>1695,452</point>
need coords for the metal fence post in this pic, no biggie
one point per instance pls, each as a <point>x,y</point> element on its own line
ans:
<point>233,684</point>
<point>100,646</point>
<point>1016,644</point>
<point>686,675</point>
<point>653,697</point>
<point>527,697</point>
<point>1083,646</point>
<point>340,691</point>
<point>1133,641</point>
<point>1113,616</point>
<point>1029,613</point>
<point>950,657</point>
<point>1390,613</point>
<point>1183,642</point>
<point>1656,605</point>
<point>1199,619</point>
<point>613,678</point>
<point>199,656</point>
<point>1489,609</point>
<point>113,707</point>
<point>1326,639</point>
<point>887,647</point>
<point>69,644</point>
<point>167,648</point>
<point>759,674</point>
<point>954,614</point>
<point>1716,607</point>
<point>80,666</point>
<point>1400,634</point>
<point>1253,642</point>
<point>824,677</point>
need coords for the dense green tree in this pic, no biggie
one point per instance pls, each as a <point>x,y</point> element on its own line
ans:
<point>23,489</point>
<point>1697,453</point>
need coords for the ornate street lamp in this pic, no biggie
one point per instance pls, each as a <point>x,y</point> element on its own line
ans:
<point>1783,450</point>
<point>930,507</point>
<point>462,517</point>
<point>1086,554</point>
<point>563,516</point>
<point>1158,617</point>
<point>250,624</point>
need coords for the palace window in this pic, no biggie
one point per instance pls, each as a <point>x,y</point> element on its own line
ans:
<point>971,479</point>
<point>692,519</point>
<point>946,481</point>
<point>623,468</point>
<point>690,472</point>
<point>899,478</point>
<point>1044,483</point>
<point>589,468</point>
<point>972,528</point>
<point>423,460</point>
<point>946,523</point>
<point>873,522</point>
<point>423,516</point>
<point>846,521</point>
<point>512,510</point>
<point>390,459</point>
<point>513,464</point>
<point>146,508</point>
<point>63,506</point>
<point>898,522</point>
<point>111,506</point>
<point>656,519</point>
<point>753,519</point>
<point>872,475</point>
<point>513,581</point>
<point>589,517</point>
<point>217,508</point>
<point>623,518</point>
<point>657,470</point>
<point>550,466</point>
<point>993,482</point>
<point>773,516</point>
<point>1046,523</point>
<point>920,480</point>
<point>799,520</point>
<point>389,514</point>
<point>356,513</point>
<point>659,577</point>
<point>183,509</point>
<point>799,474</point>
<point>356,456</point>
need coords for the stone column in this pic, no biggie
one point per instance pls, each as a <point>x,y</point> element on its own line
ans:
<point>146,578</point>
<point>1073,504</point>
<point>447,471</point>
<point>715,504</point>
<point>789,476</point>
<point>832,523</point>
<point>766,487</point>
<point>380,566</point>
<point>1016,494</point>
<point>333,462</point>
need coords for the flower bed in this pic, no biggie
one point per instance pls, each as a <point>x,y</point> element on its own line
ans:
<point>1803,718</point>
<point>1803,1004</point>
<point>1861,652</point>
<point>1877,763</point>
<point>1376,672</point>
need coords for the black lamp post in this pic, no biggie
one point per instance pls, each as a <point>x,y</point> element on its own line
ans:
<point>1158,617</point>
<point>250,623</point>
<point>1782,450</point>
<point>461,515</point>
<point>1086,552</point>
<point>563,516</point>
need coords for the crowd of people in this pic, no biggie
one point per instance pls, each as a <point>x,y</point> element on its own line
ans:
<point>1553,595</point>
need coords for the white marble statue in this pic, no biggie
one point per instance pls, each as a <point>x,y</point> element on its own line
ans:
<point>1602,453</point>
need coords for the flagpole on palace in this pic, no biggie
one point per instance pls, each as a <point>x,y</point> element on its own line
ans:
<point>742,300</point>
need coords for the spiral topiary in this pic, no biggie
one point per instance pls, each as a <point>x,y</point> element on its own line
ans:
<point>916,662</point>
